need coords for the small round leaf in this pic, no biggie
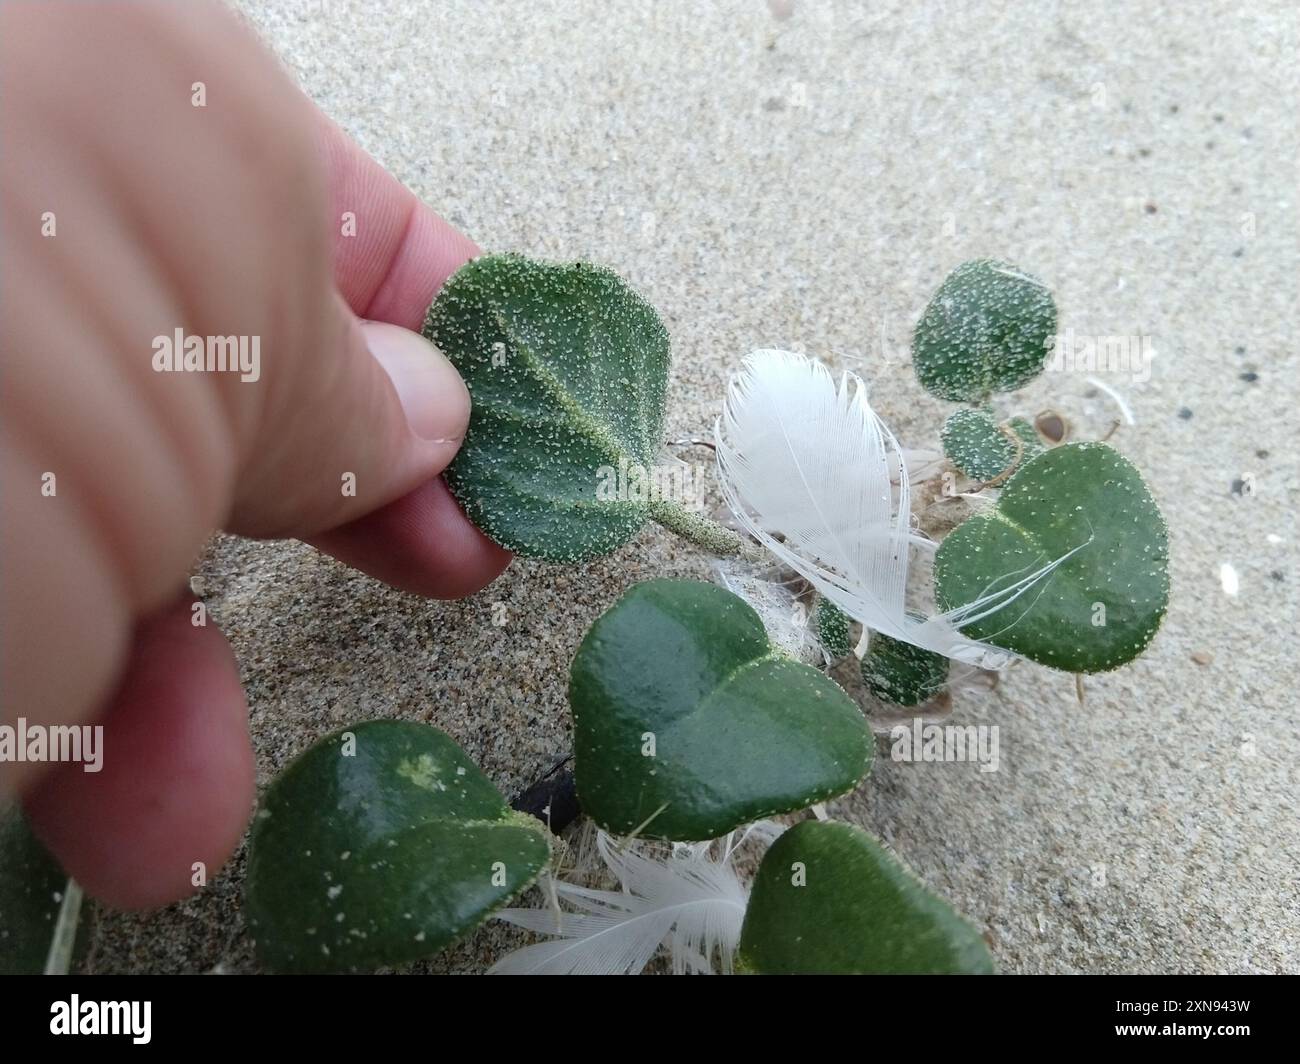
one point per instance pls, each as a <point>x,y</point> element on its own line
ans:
<point>981,448</point>
<point>989,328</point>
<point>973,443</point>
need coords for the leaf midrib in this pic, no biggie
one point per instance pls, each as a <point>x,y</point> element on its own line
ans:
<point>595,430</point>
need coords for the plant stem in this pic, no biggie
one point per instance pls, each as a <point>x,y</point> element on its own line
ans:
<point>710,535</point>
<point>59,959</point>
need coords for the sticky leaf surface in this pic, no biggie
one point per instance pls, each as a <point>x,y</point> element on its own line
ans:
<point>566,367</point>
<point>988,328</point>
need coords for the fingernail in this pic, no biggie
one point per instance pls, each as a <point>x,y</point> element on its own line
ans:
<point>434,398</point>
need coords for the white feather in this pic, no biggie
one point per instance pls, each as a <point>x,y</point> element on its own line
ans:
<point>802,456</point>
<point>684,898</point>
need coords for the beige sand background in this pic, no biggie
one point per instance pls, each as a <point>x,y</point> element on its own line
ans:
<point>807,182</point>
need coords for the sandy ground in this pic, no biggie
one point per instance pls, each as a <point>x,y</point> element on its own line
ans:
<point>807,182</point>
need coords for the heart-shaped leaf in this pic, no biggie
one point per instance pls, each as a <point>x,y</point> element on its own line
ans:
<point>828,899</point>
<point>688,724</point>
<point>989,328</point>
<point>566,367</point>
<point>1101,607</point>
<point>381,844</point>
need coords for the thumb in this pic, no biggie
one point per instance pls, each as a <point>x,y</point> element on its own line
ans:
<point>351,419</point>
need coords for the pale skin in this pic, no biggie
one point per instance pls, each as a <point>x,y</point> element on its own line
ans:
<point>221,219</point>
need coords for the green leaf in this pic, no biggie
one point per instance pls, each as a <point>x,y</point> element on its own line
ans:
<point>44,925</point>
<point>1102,606</point>
<point>32,888</point>
<point>833,627</point>
<point>1032,442</point>
<point>567,369</point>
<point>976,446</point>
<point>379,845</point>
<point>688,724</point>
<point>989,328</point>
<point>901,673</point>
<point>981,448</point>
<point>828,899</point>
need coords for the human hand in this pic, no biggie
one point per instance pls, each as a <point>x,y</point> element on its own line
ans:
<point>130,211</point>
